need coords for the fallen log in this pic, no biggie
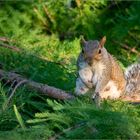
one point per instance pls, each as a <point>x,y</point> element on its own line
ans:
<point>39,87</point>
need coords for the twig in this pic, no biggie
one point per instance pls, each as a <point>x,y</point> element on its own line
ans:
<point>133,36</point>
<point>50,17</point>
<point>133,50</point>
<point>11,87</point>
<point>19,84</point>
<point>4,39</point>
<point>10,47</point>
<point>14,48</point>
<point>12,94</point>
<point>66,130</point>
<point>41,18</point>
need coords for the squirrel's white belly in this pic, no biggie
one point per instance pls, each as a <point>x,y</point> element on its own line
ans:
<point>110,91</point>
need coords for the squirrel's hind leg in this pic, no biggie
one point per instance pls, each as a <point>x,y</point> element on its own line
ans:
<point>110,91</point>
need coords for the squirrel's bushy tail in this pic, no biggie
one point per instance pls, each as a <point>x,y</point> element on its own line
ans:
<point>132,76</point>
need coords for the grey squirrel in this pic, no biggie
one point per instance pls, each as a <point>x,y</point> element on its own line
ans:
<point>100,70</point>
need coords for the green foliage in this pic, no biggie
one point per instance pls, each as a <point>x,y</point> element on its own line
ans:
<point>71,17</point>
<point>81,119</point>
<point>123,25</point>
<point>47,32</point>
<point>19,118</point>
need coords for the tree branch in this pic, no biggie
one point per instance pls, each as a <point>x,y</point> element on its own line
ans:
<point>42,88</point>
<point>4,39</point>
<point>126,47</point>
<point>10,47</point>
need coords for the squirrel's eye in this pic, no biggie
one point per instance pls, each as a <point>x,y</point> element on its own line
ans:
<point>99,51</point>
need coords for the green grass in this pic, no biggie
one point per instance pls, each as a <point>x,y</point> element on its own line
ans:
<point>49,58</point>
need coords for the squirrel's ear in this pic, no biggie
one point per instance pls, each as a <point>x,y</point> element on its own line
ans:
<point>102,42</point>
<point>82,41</point>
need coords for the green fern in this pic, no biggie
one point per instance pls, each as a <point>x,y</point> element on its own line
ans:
<point>118,121</point>
<point>19,118</point>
